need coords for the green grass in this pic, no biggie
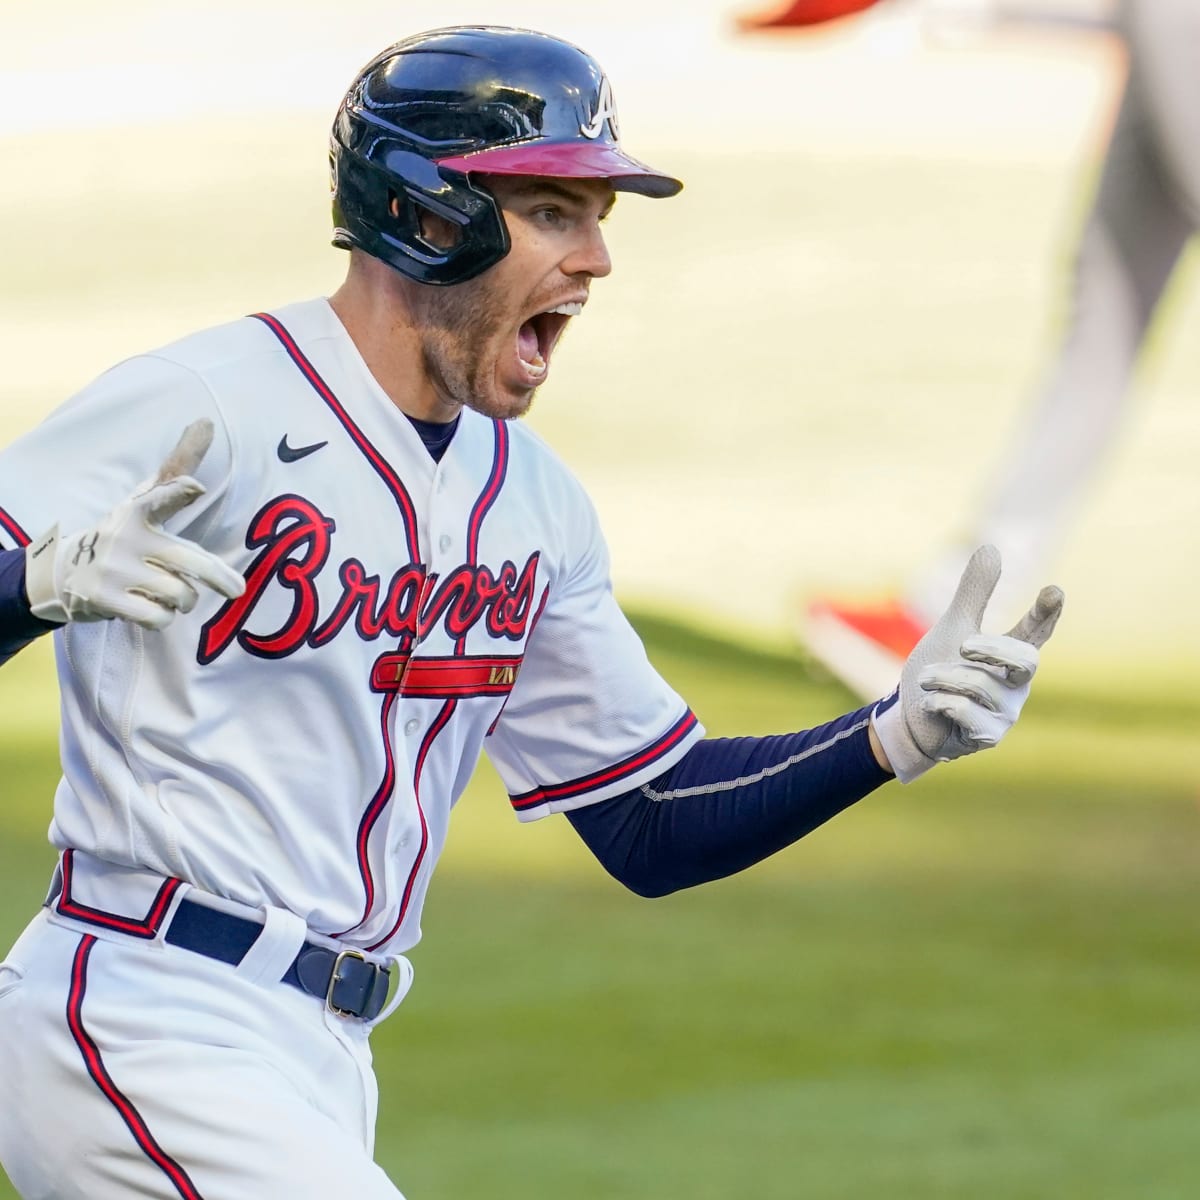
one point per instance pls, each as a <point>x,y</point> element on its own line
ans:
<point>982,985</point>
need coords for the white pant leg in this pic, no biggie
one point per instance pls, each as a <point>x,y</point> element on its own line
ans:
<point>1131,242</point>
<point>130,1068</point>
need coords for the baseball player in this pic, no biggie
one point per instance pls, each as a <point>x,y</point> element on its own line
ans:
<point>302,569</point>
<point>1145,211</point>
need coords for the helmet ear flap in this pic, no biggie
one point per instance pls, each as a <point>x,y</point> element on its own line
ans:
<point>475,234</point>
<point>390,202</point>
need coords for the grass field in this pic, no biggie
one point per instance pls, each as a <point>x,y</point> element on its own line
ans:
<point>981,986</point>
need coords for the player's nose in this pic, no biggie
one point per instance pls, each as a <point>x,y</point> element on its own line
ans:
<point>589,256</point>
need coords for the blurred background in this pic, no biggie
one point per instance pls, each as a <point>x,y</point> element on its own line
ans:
<point>793,383</point>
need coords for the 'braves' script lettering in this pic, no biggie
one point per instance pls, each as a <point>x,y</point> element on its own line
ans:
<point>293,539</point>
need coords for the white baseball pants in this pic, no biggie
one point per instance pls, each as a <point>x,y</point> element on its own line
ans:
<point>137,1068</point>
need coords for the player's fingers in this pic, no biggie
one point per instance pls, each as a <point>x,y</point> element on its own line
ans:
<point>973,724</point>
<point>133,605</point>
<point>168,589</point>
<point>188,453</point>
<point>973,683</point>
<point>975,588</point>
<point>1036,626</point>
<point>164,500</point>
<point>181,557</point>
<point>1014,660</point>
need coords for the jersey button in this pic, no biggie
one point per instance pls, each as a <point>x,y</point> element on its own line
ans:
<point>444,543</point>
<point>410,727</point>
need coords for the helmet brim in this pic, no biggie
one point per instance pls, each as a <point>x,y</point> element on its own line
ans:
<point>569,160</point>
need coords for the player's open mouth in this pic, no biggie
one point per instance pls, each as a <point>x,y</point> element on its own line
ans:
<point>538,336</point>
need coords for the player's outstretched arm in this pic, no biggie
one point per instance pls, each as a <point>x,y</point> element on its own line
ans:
<point>127,566</point>
<point>961,690</point>
<point>731,802</point>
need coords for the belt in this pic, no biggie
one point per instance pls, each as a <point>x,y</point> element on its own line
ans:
<point>349,985</point>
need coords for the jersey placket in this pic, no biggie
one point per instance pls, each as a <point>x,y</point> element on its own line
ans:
<point>417,731</point>
<point>443,516</point>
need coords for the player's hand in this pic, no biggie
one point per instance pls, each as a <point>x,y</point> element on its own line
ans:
<point>962,690</point>
<point>127,566</point>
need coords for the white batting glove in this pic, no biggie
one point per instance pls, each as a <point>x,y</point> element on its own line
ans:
<point>127,566</point>
<point>962,690</point>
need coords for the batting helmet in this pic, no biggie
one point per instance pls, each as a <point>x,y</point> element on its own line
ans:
<point>426,113</point>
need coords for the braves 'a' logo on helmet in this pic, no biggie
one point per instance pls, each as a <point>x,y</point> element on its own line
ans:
<point>606,110</point>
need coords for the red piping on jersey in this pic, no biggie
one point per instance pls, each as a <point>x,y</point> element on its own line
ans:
<point>490,492</point>
<point>374,809</point>
<point>99,1072</point>
<point>439,723</point>
<point>613,774</point>
<point>383,796</point>
<point>147,927</point>
<point>10,526</point>
<point>483,504</point>
<point>382,468</point>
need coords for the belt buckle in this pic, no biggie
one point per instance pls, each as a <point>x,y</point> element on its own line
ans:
<point>335,977</point>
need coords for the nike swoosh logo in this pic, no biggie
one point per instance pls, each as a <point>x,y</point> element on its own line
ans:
<point>293,453</point>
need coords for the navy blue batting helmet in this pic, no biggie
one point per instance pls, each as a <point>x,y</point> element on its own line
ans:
<point>429,112</point>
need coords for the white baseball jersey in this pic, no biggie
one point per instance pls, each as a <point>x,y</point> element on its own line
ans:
<point>303,745</point>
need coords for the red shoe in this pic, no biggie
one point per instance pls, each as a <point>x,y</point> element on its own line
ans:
<point>864,646</point>
<point>803,12</point>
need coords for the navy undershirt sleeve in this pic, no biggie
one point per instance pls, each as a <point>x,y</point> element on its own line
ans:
<point>18,626</point>
<point>728,803</point>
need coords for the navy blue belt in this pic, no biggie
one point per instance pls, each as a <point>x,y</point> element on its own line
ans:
<point>349,985</point>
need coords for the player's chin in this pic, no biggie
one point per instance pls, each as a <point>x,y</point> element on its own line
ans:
<point>508,398</point>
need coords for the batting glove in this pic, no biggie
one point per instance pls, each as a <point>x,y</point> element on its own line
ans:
<point>127,566</point>
<point>962,690</point>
